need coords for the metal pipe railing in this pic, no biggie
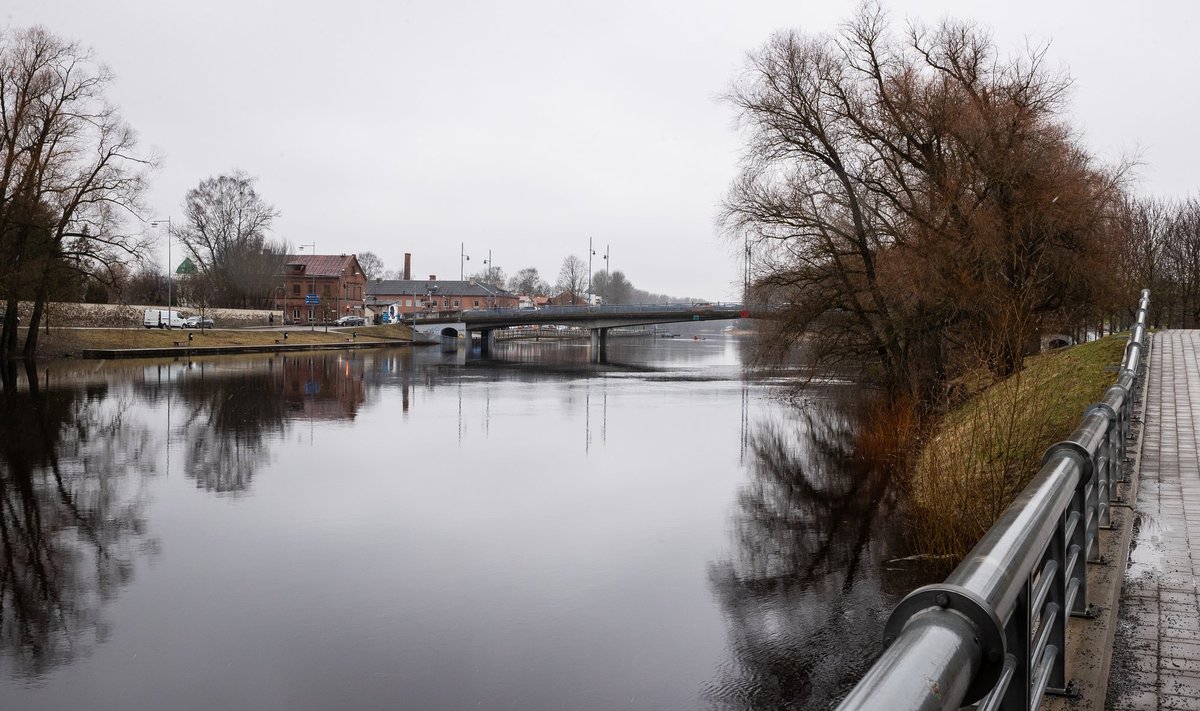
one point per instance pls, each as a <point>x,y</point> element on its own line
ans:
<point>973,637</point>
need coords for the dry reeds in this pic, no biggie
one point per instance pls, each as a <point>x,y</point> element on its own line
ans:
<point>983,453</point>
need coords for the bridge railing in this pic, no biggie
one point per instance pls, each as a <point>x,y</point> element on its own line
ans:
<point>601,310</point>
<point>994,633</point>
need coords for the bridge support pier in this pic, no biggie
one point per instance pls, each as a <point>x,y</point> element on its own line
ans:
<point>599,345</point>
<point>487,341</point>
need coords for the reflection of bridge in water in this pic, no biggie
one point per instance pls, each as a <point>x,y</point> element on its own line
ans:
<point>597,319</point>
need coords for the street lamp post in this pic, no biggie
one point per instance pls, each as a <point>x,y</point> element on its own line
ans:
<point>487,270</point>
<point>313,246</point>
<point>462,260</point>
<point>156,224</point>
<point>591,253</point>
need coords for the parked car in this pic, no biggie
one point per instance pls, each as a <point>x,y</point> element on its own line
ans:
<point>350,321</point>
<point>197,322</point>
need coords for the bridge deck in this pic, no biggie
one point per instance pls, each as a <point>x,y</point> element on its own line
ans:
<point>1156,662</point>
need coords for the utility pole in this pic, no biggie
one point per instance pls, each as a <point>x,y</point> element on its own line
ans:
<point>169,271</point>
<point>311,307</point>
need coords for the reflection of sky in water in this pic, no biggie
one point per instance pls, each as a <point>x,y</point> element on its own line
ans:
<point>381,528</point>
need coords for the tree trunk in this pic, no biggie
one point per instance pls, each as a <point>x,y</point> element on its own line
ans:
<point>8,335</point>
<point>35,318</point>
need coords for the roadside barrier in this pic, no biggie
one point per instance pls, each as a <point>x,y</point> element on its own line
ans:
<point>994,633</point>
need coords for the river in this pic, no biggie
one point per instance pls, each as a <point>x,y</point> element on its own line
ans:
<point>427,530</point>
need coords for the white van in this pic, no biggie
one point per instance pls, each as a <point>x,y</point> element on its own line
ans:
<point>162,318</point>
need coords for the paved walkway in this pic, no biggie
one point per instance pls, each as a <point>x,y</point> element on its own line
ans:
<point>1156,660</point>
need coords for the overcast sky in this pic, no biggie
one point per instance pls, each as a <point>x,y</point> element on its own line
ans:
<point>527,127</point>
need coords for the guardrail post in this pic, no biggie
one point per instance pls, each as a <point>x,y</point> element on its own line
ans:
<point>1057,554</point>
<point>1018,635</point>
<point>1103,481</point>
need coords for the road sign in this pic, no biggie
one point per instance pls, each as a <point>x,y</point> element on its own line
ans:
<point>311,299</point>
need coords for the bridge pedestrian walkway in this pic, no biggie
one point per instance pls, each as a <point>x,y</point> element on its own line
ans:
<point>1156,662</point>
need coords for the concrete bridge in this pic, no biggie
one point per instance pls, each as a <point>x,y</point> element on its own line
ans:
<point>598,319</point>
<point>1051,609</point>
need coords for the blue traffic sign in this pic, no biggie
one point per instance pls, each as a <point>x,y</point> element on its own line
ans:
<point>312,299</point>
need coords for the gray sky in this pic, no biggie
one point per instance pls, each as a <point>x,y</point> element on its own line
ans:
<point>528,127</point>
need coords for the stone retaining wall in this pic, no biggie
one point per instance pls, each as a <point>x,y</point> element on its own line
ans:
<point>130,315</point>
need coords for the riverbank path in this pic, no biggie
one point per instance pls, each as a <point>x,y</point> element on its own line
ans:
<point>1156,661</point>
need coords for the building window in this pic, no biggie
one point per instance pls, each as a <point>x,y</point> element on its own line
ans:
<point>295,313</point>
<point>476,303</point>
<point>326,290</point>
<point>296,289</point>
<point>456,303</point>
<point>408,303</point>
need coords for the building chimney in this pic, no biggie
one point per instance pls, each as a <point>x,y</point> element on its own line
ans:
<point>433,277</point>
<point>407,266</point>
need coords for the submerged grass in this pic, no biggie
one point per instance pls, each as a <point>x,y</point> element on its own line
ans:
<point>981,454</point>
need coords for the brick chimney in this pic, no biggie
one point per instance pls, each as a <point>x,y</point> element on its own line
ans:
<point>407,266</point>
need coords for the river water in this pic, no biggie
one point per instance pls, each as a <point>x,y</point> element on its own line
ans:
<point>395,530</point>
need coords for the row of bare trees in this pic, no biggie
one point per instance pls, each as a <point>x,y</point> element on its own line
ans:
<point>69,172</point>
<point>1161,251</point>
<point>918,198</point>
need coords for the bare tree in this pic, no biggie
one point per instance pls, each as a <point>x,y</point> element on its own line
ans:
<point>227,236</point>
<point>69,173</point>
<point>490,275</point>
<point>372,265</point>
<point>527,281</point>
<point>614,288</point>
<point>910,198</point>
<point>573,279</point>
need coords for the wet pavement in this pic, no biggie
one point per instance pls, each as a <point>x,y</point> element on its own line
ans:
<point>1156,661</point>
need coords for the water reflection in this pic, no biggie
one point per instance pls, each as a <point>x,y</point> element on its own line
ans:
<point>803,594</point>
<point>569,526</point>
<point>228,412</point>
<point>71,516</point>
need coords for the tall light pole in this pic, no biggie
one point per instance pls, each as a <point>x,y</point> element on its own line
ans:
<point>462,260</point>
<point>591,253</point>
<point>487,271</point>
<point>313,247</point>
<point>156,223</point>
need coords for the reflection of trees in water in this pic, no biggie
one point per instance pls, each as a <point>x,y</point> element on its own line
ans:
<point>227,416</point>
<point>231,411</point>
<point>802,591</point>
<point>70,517</point>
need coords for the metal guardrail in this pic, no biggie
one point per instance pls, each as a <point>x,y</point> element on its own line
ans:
<point>994,633</point>
<point>602,310</point>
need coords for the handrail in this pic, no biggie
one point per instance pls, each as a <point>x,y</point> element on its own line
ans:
<point>995,631</point>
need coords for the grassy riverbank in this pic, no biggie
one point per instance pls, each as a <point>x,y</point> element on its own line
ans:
<point>62,342</point>
<point>981,454</point>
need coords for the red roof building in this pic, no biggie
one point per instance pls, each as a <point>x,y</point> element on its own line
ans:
<point>335,283</point>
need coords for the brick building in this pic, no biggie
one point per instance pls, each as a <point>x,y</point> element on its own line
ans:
<point>337,280</point>
<point>430,296</point>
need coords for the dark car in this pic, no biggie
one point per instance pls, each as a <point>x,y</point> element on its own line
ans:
<point>350,321</point>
